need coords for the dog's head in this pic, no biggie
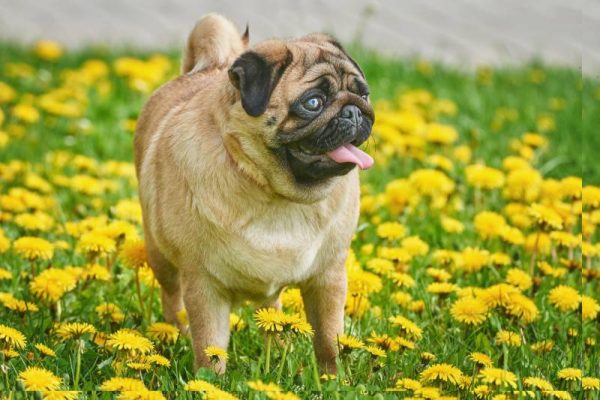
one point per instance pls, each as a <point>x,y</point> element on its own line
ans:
<point>303,111</point>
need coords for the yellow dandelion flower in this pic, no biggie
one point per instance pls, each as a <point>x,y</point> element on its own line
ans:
<point>12,337</point>
<point>33,248</point>
<point>481,359</point>
<point>260,386</point>
<point>545,217</point>
<point>498,377</point>
<point>442,288</point>
<point>157,359</point>
<point>215,353</point>
<point>211,392</point>
<point>52,284</point>
<point>236,323</point>
<point>139,366</point>
<point>543,346</point>
<point>442,372</point>
<point>508,338</point>
<point>296,324</point>
<point>375,351</point>
<point>570,374</point>
<point>481,176</point>
<point>391,230</point>
<point>36,379</point>
<point>45,350</point>
<point>589,383</point>
<point>537,383</point>
<point>95,271</point>
<point>292,298</point>
<point>489,224</point>
<point>427,356</point>
<point>406,325</point>
<point>269,319</point>
<point>48,50</point>
<point>440,275</point>
<point>74,330</point>
<point>408,384</point>
<point>473,259</point>
<point>469,310</point>
<point>5,274</point>
<point>589,308</point>
<point>111,311</point>
<point>129,341</point>
<point>512,235</point>
<point>17,305</point>
<point>401,279</point>
<point>451,225</point>
<point>519,278</point>
<point>60,394</point>
<point>94,244</point>
<point>565,298</point>
<point>133,254</point>
<point>118,384</point>
<point>163,332</point>
<point>348,343</point>
<point>415,246</point>
<point>522,307</point>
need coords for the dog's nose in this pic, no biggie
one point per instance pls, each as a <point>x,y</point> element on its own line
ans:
<point>351,112</point>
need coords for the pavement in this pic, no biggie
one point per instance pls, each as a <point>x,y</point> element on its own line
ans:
<point>463,33</point>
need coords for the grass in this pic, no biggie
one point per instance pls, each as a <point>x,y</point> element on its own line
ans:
<point>494,106</point>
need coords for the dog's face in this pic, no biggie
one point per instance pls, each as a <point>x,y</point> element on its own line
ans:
<point>306,110</point>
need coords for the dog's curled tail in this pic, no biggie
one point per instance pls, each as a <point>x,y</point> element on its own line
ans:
<point>214,42</point>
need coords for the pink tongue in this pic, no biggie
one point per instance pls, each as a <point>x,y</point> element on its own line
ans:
<point>352,154</point>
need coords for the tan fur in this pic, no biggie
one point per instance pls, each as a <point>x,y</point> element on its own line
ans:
<point>223,221</point>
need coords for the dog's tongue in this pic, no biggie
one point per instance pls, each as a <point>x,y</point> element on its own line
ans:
<point>352,154</point>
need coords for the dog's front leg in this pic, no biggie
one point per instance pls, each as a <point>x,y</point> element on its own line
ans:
<point>208,313</point>
<point>324,299</point>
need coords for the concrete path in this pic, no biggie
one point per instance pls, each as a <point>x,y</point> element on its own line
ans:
<point>459,32</point>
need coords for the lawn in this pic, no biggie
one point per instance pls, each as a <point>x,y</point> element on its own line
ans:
<point>473,273</point>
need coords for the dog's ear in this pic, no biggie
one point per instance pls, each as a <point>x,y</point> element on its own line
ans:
<point>255,75</point>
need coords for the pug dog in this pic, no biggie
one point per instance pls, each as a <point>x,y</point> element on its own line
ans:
<point>248,180</point>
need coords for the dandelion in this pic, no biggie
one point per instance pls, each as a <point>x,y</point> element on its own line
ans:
<point>545,217</point>
<point>375,351</point>
<point>45,350</point>
<point>211,391</point>
<point>543,346</point>
<point>589,383</point>
<point>589,308</point>
<point>48,50</point>
<point>508,338</point>
<point>427,356</point>
<point>37,379</point>
<point>33,248</point>
<point>489,224</point>
<point>570,374</point>
<point>409,327</point>
<point>94,244</point>
<point>473,259</point>
<point>443,372</point>
<point>74,330</point>
<point>236,323</point>
<point>348,343</point>
<point>157,359</point>
<point>133,254</point>
<point>519,278</point>
<point>481,359</point>
<point>163,332</point>
<point>498,377</point>
<point>12,337</point>
<point>538,383</point>
<point>391,230</point>
<point>441,288</point>
<point>469,310</point>
<point>270,319</point>
<point>110,310</point>
<point>52,284</point>
<point>564,298</point>
<point>117,384</point>
<point>60,394</point>
<point>130,342</point>
<point>215,353</point>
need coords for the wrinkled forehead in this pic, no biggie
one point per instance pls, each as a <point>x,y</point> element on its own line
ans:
<point>314,63</point>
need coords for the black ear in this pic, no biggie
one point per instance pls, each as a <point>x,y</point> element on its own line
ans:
<point>255,78</point>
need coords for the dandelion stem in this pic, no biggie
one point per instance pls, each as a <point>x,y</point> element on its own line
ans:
<point>282,364</point>
<point>268,355</point>
<point>139,291</point>
<point>313,360</point>
<point>78,363</point>
<point>534,254</point>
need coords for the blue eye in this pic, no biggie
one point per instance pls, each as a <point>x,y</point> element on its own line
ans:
<point>313,104</point>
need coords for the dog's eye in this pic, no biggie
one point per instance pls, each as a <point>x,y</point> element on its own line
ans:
<point>313,104</point>
<point>365,96</point>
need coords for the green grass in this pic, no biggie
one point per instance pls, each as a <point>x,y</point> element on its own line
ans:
<point>100,135</point>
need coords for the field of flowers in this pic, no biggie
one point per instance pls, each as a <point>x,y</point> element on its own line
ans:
<point>474,272</point>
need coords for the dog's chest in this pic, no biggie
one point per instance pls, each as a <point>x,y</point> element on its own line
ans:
<point>278,247</point>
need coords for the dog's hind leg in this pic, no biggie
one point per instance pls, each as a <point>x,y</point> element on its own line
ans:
<point>169,279</point>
